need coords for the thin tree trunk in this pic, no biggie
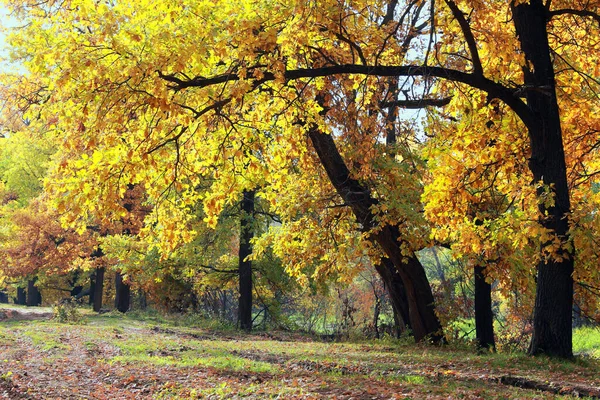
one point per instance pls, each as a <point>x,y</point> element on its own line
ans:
<point>143,300</point>
<point>438,265</point>
<point>376,312</point>
<point>484,317</point>
<point>122,293</point>
<point>245,265</point>
<point>98,289</point>
<point>92,288</point>
<point>423,320</point>
<point>552,331</point>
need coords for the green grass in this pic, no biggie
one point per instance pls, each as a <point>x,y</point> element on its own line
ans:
<point>161,352</point>
<point>586,341</point>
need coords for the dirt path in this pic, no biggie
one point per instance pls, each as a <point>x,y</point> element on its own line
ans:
<point>8,312</point>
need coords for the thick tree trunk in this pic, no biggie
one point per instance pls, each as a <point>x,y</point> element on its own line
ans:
<point>98,289</point>
<point>3,297</point>
<point>245,265</point>
<point>34,297</point>
<point>122,293</point>
<point>552,332</point>
<point>75,288</point>
<point>423,320</point>
<point>484,317</point>
<point>395,288</point>
<point>21,298</point>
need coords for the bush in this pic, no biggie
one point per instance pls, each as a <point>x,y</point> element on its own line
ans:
<point>66,311</point>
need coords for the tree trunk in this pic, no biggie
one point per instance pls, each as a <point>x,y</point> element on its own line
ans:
<point>552,332</point>
<point>122,293</point>
<point>395,288</point>
<point>143,299</point>
<point>484,317</point>
<point>34,297</point>
<point>21,298</point>
<point>3,297</point>
<point>423,320</point>
<point>376,312</point>
<point>245,265</point>
<point>92,288</point>
<point>438,266</point>
<point>98,289</point>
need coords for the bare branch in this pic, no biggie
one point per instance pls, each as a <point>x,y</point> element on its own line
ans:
<point>417,104</point>
<point>468,34</point>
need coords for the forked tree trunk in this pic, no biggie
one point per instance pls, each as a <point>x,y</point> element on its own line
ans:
<point>552,332</point>
<point>122,294</point>
<point>98,289</point>
<point>484,317</point>
<point>245,265</point>
<point>423,320</point>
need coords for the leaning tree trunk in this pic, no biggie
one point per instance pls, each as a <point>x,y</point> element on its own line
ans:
<point>122,294</point>
<point>552,332</point>
<point>484,317</point>
<point>423,320</point>
<point>245,265</point>
<point>98,289</point>
<point>34,297</point>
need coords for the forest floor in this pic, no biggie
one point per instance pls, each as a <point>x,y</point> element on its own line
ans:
<point>113,356</point>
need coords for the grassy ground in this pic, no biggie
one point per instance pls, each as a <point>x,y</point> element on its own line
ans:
<point>113,356</point>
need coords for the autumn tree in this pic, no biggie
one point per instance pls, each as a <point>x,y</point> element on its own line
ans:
<point>261,89</point>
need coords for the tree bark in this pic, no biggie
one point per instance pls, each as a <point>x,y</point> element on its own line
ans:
<point>245,265</point>
<point>3,297</point>
<point>34,297</point>
<point>92,288</point>
<point>423,320</point>
<point>376,313</point>
<point>484,317</point>
<point>98,289</point>
<point>395,288</point>
<point>552,332</point>
<point>122,293</point>
<point>21,298</point>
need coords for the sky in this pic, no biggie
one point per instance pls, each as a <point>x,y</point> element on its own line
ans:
<point>6,21</point>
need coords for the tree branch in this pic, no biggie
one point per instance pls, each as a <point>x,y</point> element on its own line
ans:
<point>493,89</point>
<point>468,34</point>
<point>571,11</point>
<point>416,104</point>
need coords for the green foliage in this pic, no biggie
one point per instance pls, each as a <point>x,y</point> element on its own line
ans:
<point>66,312</point>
